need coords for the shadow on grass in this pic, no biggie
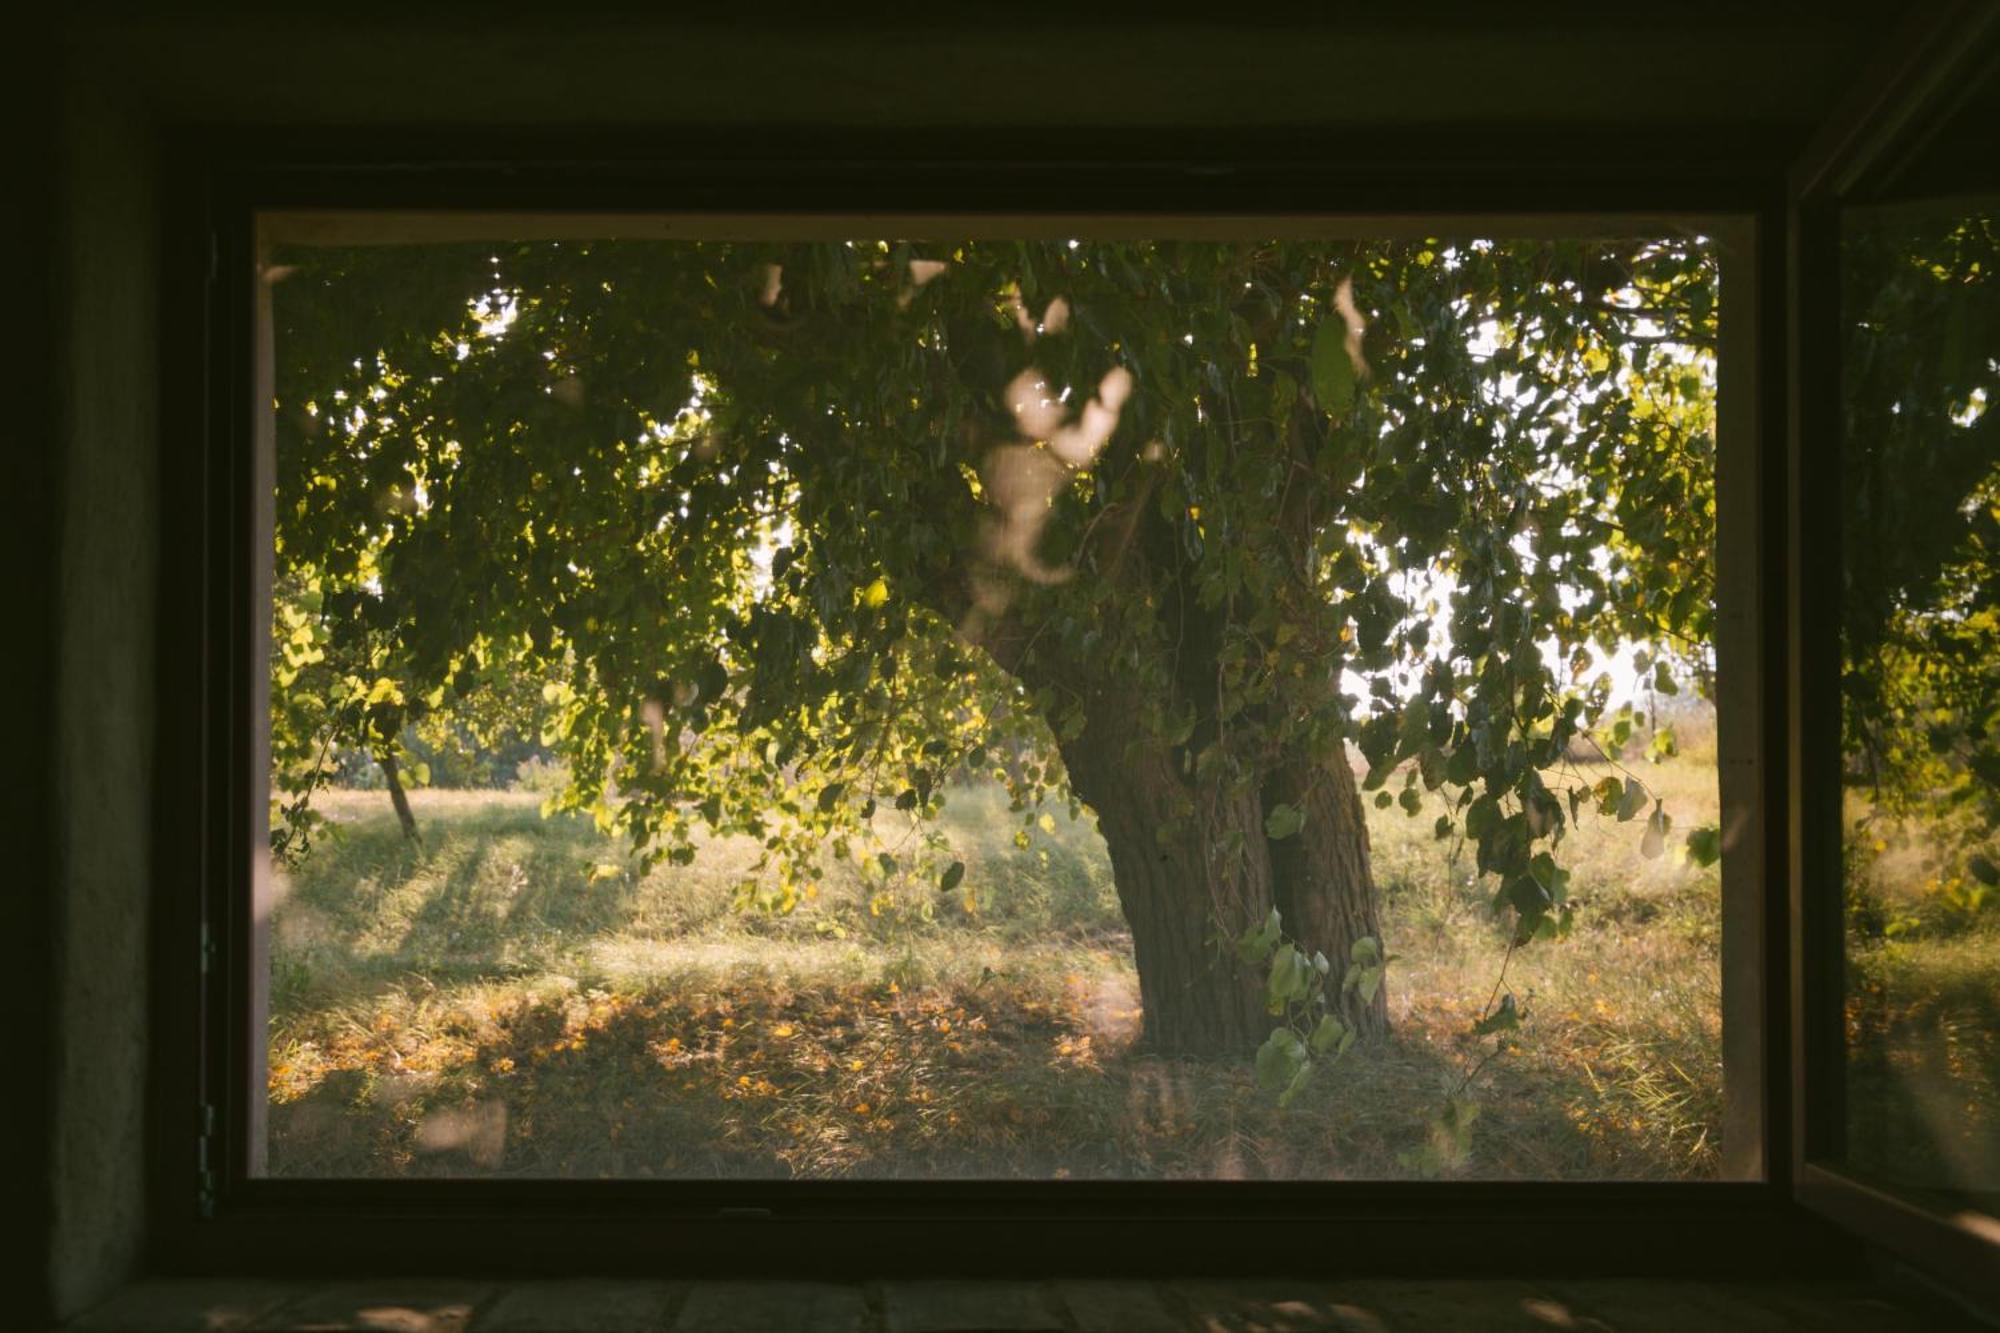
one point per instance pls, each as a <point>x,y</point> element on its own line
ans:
<point>723,1079</point>
<point>1923,1071</point>
<point>438,1013</point>
<point>848,1081</point>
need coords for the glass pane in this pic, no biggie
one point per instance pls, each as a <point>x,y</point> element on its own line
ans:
<point>1921,695</point>
<point>1028,708</point>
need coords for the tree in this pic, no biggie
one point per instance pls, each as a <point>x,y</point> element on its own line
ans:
<point>1920,515</point>
<point>797,531</point>
<point>1920,611</point>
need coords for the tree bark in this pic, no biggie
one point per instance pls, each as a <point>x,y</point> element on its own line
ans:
<point>1321,881</point>
<point>397,796</point>
<point>1193,874</point>
<point>1195,993</point>
<point>1190,857</point>
<point>1190,892</point>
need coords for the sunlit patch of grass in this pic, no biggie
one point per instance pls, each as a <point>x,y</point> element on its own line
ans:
<point>1923,1041</point>
<point>480,1004</point>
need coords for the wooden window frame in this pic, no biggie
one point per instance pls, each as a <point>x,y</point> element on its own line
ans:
<point>209,1214</point>
<point>1941,49</point>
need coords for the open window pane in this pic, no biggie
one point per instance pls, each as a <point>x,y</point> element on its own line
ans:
<point>1921,694</point>
<point>1020,708</point>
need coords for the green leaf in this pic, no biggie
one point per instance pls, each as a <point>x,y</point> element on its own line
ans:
<point>1552,878</point>
<point>1704,845</point>
<point>1633,801</point>
<point>1610,794</point>
<point>1332,370</point>
<point>1663,746</point>
<point>1255,945</point>
<point>1504,1019</point>
<point>1463,766</point>
<point>1283,821</point>
<point>1291,978</point>
<point>1297,1085</point>
<point>829,796</point>
<point>1527,897</point>
<point>1655,840</point>
<point>1326,1036</point>
<point>952,876</point>
<point>1482,817</point>
<point>1279,1060</point>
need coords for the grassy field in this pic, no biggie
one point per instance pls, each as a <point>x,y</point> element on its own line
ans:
<point>484,1004</point>
<point>1922,1008</point>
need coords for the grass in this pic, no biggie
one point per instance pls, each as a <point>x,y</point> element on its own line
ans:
<point>1923,1075</point>
<point>1922,1005</point>
<point>483,1005</point>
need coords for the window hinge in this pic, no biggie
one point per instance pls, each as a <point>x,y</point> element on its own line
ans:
<point>204,1159</point>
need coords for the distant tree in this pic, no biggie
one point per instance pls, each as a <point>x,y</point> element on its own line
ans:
<point>794,532</point>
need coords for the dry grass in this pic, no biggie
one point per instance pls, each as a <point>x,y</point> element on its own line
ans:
<point>481,1005</point>
<point>1922,1000</point>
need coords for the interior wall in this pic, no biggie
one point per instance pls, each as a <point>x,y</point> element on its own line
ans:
<point>28,464</point>
<point>106,270</point>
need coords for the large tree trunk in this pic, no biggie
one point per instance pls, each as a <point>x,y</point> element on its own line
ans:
<point>1320,878</point>
<point>1188,891</point>
<point>1194,871</point>
<point>1190,856</point>
<point>397,796</point>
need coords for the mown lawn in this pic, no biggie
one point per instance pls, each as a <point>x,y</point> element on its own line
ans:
<point>511,998</point>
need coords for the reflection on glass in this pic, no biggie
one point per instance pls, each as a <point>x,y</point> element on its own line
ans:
<point>1921,689</point>
<point>1059,708</point>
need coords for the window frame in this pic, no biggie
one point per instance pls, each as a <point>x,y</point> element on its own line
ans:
<point>208,1214</point>
<point>1913,90</point>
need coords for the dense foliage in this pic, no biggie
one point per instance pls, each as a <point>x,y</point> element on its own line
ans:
<point>789,534</point>
<point>1921,604</point>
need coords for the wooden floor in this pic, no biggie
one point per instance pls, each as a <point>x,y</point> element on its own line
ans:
<point>442,1306</point>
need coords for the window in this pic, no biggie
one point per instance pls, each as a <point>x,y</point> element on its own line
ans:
<point>236,944</point>
<point>1058,702</point>
<point>1920,361</point>
<point>1894,852</point>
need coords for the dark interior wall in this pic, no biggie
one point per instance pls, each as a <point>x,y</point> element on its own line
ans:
<point>112,92</point>
<point>28,462</point>
<point>1040,67</point>
<point>105,267</point>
